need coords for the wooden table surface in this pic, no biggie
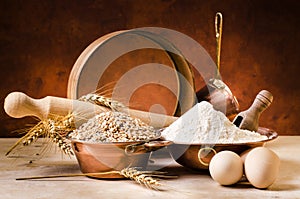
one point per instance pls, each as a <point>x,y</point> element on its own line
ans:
<point>31,161</point>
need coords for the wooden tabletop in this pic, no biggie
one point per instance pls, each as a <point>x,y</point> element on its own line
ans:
<point>32,161</point>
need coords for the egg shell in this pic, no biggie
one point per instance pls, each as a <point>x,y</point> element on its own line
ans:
<point>261,167</point>
<point>244,154</point>
<point>226,167</point>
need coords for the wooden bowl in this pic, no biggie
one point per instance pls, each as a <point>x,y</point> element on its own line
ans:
<point>198,156</point>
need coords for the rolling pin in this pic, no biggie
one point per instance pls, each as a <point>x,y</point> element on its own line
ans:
<point>19,105</point>
<point>249,119</point>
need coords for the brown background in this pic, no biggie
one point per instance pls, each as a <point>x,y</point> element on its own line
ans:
<point>41,40</point>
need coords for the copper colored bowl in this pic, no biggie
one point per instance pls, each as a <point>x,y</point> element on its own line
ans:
<point>105,157</point>
<point>198,156</point>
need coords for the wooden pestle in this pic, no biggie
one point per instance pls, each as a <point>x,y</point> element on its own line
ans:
<point>249,119</point>
<point>19,105</point>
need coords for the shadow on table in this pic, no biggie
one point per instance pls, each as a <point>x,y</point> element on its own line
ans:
<point>289,172</point>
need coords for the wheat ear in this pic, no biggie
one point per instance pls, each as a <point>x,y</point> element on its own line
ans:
<point>56,129</point>
<point>57,138</point>
<point>102,101</point>
<point>31,136</point>
<point>143,178</point>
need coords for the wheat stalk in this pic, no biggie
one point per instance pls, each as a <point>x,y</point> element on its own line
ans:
<point>141,177</point>
<point>56,129</point>
<point>146,178</point>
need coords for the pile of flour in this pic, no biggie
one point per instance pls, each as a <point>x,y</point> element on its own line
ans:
<point>203,124</point>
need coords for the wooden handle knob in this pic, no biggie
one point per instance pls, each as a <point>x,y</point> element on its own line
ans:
<point>19,105</point>
<point>264,98</point>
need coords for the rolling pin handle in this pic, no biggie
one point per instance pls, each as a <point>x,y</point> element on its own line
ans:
<point>19,105</point>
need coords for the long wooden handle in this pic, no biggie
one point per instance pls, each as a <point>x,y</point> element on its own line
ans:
<point>19,105</point>
<point>218,27</point>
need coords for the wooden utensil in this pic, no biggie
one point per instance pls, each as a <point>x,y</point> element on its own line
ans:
<point>19,105</point>
<point>216,91</point>
<point>249,119</point>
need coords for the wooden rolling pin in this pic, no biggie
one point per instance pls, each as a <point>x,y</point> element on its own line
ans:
<point>19,105</point>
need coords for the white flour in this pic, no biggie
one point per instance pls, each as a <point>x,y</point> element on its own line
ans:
<point>203,124</point>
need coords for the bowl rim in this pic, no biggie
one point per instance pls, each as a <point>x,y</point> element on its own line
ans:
<point>158,138</point>
<point>108,143</point>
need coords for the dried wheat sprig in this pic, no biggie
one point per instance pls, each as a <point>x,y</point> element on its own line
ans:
<point>58,139</point>
<point>31,136</point>
<point>56,129</point>
<point>64,125</point>
<point>141,177</point>
<point>102,101</point>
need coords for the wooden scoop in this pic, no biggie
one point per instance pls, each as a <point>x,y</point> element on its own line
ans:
<point>19,105</point>
<point>249,119</point>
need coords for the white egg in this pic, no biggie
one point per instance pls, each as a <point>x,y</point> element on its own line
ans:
<point>226,167</point>
<point>261,167</point>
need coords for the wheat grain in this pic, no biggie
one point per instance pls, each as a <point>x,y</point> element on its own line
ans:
<point>114,127</point>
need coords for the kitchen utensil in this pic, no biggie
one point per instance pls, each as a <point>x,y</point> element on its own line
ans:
<point>249,119</point>
<point>216,91</point>
<point>19,105</point>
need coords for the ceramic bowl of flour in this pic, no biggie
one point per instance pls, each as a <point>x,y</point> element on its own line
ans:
<point>198,156</point>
